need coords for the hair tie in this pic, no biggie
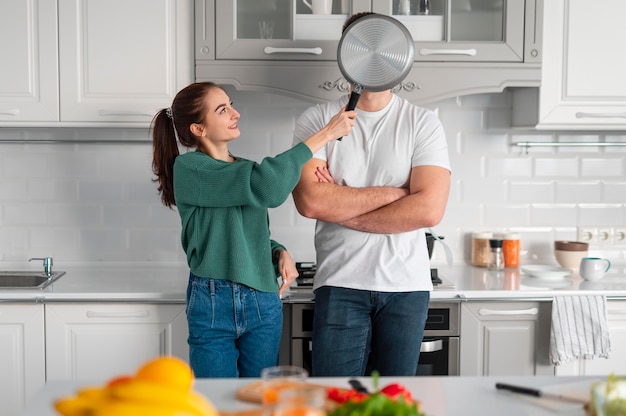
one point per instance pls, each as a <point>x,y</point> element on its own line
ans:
<point>169,113</point>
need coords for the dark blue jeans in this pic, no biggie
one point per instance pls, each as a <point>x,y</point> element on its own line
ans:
<point>357,331</point>
<point>234,331</point>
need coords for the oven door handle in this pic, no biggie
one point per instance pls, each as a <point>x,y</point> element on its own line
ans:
<point>432,345</point>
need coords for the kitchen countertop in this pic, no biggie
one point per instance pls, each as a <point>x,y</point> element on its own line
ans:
<point>166,282</point>
<point>440,396</point>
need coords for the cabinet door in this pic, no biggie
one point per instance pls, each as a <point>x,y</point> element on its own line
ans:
<point>464,30</point>
<point>29,74</point>
<point>122,60</point>
<point>22,357</point>
<point>476,31</point>
<point>501,339</point>
<point>101,340</point>
<point>583,69</point>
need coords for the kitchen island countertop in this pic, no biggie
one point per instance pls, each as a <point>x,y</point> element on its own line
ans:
<point>167,282</point>
<point>440,396</point>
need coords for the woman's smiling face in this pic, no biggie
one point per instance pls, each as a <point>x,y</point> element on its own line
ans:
<point>221,119</point>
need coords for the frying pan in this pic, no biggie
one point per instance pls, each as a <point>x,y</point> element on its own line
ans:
<point>375,53</point>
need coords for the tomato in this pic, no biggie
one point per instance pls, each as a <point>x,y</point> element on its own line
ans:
<point>342,395</point>
<point>396,391</point>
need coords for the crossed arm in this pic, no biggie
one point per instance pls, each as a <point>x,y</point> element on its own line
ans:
<point>380,209</point>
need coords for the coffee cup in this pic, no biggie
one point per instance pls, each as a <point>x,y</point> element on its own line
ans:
<point>593,268</point>
<point>320,6</point>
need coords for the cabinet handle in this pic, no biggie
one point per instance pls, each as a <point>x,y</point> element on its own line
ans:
<point>600,115</point>
<point>10,112</point>
<point>485,311</point>
<point>431,346</point>
<point>123,113</point>
<point>137,314</point>
<point>313,51</point>
<point>468,52</point>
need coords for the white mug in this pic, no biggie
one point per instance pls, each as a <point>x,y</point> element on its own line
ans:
<point>593,268</point>
<point>320,6</point>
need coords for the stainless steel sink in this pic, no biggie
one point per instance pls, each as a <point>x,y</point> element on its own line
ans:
<point>27,280</point>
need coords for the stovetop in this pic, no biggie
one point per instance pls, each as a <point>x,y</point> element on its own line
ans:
<point>307,273</point>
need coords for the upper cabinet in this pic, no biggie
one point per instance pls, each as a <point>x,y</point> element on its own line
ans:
<point>88,62</point>
<point>583,84</point>
<point>461,46</point>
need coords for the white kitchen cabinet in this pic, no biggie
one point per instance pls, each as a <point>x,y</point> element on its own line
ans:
<point>461,47</point>
<point>583,69</point>
<point>22,354</point>
<point>97,341</point>
<point>616,363</point>
<point>94,63</point>
<point>29,71</point>
<point>505,338</point>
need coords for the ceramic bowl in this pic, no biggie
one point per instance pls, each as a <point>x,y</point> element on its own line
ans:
<point>569,253</point>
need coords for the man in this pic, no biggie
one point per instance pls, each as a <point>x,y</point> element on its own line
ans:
<point>372,193</point>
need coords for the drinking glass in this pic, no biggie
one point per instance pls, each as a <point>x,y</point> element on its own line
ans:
<point>275,379</point>
<point>302,400</point>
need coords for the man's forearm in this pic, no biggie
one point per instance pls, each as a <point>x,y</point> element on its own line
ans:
<point>334,203</point>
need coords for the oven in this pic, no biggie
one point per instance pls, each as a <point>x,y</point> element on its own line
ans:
<point>439,351</point>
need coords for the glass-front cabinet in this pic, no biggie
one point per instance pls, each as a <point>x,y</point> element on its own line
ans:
<point>290,46</point>
<point>443,30</point>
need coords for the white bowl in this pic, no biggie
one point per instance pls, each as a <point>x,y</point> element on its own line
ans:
<point>569,253</point>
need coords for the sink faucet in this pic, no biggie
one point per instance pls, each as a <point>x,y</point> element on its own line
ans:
<point>47,264</point>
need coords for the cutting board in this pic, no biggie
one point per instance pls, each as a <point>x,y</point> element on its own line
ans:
<point>252,393</point>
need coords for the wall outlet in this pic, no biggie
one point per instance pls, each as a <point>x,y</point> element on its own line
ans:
<point>602,235</point>
<point>588,235</point>
<point>605,235</point>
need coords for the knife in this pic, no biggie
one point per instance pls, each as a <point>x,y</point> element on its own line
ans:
<point>358,386</point>
<point>538,393</point>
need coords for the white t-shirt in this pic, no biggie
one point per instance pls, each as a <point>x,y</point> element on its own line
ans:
<point>381,150</point>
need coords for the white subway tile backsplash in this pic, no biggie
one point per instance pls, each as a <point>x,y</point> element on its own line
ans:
<point>507,215</point>
<point>555,167</point>
<point>602,167</point>
<point>13,189</point>
<point>579,191</point>
<point>509,167</point>
<point>555,215</point>
<point>602,214</point>
<point>531,192</point>
<point>613,192</point>
<point>73,214</point>
<point>97,202</point>
<point>484,191</point>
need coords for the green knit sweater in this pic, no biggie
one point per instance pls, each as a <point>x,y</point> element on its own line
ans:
<point>223,210</point>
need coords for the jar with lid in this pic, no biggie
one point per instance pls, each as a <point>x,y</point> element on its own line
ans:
<point>480,248</point>
<point>511,249</point>
<point>496,258</point>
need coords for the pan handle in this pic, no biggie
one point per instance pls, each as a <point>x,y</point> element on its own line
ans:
<point>354,99</point>
<point>314,51</point>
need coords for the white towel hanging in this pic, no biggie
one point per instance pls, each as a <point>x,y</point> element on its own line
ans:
<point>579,328</point>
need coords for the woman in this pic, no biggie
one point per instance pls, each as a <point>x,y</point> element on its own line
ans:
<point>234,312</point>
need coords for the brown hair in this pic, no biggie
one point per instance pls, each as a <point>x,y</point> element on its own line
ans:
<point>187,108</point>
<point>354,18</point>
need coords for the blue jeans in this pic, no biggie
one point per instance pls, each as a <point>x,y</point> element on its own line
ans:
<point>234,330</point>
<point>357,331</point>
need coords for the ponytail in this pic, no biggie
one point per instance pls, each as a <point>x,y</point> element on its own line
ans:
<point>165,151</point>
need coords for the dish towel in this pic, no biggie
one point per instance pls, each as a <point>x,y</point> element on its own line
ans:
<point>579,328</point>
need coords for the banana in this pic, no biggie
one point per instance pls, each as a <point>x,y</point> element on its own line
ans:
<point>130,408</point>
<point>161,395</point>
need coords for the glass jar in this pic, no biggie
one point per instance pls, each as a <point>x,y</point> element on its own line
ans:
<point>511,249</point>
<point>496,259</point>
<point>480,248</point>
